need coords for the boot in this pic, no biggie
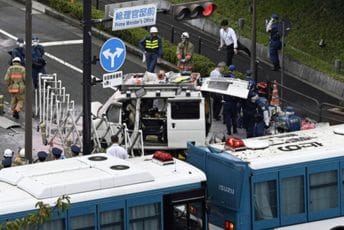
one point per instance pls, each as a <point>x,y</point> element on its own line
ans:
<point>15,114</point>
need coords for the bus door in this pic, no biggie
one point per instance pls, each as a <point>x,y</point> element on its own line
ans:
<point>185,210</point>
<point>185,121</point>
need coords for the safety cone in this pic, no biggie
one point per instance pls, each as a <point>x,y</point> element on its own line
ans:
<point>274,96</point>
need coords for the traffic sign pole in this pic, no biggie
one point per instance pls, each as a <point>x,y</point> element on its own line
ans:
<point>87,46</point>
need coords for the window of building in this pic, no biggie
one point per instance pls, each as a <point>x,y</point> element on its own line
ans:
<point>323,191</point>
<point>265,200</point>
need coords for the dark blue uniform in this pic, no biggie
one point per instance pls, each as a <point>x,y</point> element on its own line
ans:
<point>249,110</point>
<point>19,52</point>
<point>275,45</point>
<point>260,116</point>
<point>38,63</point>
<point>230,113</point>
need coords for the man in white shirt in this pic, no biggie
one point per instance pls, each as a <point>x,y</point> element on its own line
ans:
<point>229,39</point>
<point>217,98</point>
<point>115,150</point>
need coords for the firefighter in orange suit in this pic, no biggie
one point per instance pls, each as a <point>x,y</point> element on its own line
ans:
<point>184,53</point>
<point>15,79</point>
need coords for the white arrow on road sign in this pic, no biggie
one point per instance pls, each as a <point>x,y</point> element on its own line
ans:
<point>107,54</point>
<point>112,54</point>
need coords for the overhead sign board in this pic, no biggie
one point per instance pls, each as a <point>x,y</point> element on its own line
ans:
<point>112,54</point>
<point>133,17</point>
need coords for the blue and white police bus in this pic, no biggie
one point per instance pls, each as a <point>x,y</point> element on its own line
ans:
<point>108,193</point>
<point>284,181</point>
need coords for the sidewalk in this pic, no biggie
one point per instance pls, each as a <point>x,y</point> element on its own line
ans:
<point>14,137</point>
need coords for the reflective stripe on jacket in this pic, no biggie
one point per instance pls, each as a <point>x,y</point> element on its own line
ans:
<point>15,76</point>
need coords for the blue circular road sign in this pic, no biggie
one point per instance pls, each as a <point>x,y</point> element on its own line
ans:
<point>112,54</point>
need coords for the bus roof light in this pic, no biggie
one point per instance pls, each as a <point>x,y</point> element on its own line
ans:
<point>234,144</point>
<point>228,225</point>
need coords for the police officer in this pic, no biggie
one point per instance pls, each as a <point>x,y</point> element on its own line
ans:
<point>7,161</point>
<point>152,48</point>
<point>230,108</point>
<point>19,51</point>
<point>15,79</point>
<point>184,53</point>
<point>251,81</point>
<point>41,156</point>
<point>262,118</point>
<point>275,43</point>
<point>38,62</point>
<point>75,150</point>
<point>57,153</point>
<point>249,109</point>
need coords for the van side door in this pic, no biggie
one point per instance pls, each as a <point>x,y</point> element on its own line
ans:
<point>185,121</point>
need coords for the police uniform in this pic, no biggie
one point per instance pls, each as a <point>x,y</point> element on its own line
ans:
<point>262,118</point>
<point>275,43</point>
<point>75,150</point>
<point>19,51</point>
<point>57,153</point>
<point>152,47</point>
<point>42,156</point>
<point>15,79</point>
<point>38,63</point>
<point>6,162</point>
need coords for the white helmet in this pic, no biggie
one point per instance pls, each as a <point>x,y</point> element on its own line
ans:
<point>16,59</point>
<point>185,35</point>
<point>8,153</point>
<point>153,30</point>
<point>22,152</point>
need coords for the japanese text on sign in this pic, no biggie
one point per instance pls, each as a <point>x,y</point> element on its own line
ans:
<point>136,16</point>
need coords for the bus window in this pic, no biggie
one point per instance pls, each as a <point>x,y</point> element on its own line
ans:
<point>83,222</point>
<point>292,193</point>
<point>323,191</point>
<point>145,217</point>
<point>185,210</point>
<point>265,200</point>
<point>58,224</point>
<point>112,219</point>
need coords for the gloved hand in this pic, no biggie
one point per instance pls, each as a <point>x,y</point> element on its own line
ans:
<point>183,60</point>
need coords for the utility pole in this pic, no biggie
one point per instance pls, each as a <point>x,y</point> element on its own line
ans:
<point>28,81</point>
<point>87,46</point>
<point>253,64</point>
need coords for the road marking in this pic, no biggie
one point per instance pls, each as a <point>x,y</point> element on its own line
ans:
<point>59,43</point>
<point>51,56</point>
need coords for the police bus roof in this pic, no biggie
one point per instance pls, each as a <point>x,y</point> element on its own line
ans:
<point>288,148</point>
